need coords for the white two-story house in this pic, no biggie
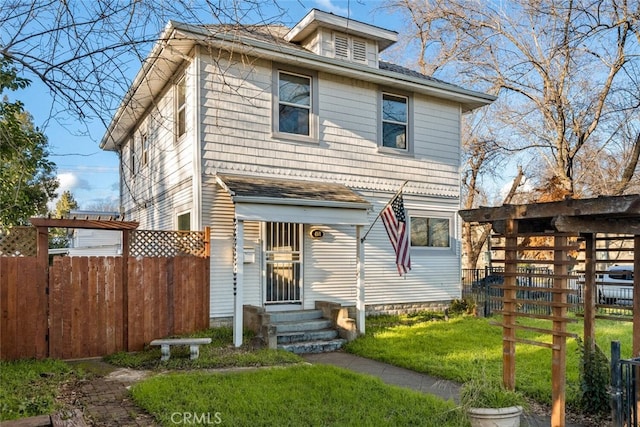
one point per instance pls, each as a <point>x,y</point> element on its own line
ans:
<point>288,142</point>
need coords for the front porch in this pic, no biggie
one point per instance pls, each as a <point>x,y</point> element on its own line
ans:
<point>325,328</point>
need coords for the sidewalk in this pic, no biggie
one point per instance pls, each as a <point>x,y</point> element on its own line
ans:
<point>406,378</point>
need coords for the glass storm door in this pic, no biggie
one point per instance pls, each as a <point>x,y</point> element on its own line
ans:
<point>283,268</point>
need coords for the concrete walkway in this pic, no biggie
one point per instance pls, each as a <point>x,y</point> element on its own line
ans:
<point>406,378</point>
<point>104,399</point>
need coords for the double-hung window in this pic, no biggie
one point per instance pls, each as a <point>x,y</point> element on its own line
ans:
<point>430,232</point>
<point>181,107</point>
<point>395,121</point>
<point>144,144</point>
<point>294,104</point>
<point>132,156</point>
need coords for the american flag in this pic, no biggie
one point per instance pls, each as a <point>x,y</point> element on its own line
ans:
<point>394,218</point>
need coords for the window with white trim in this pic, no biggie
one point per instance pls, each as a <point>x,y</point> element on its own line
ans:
<point>184,221</point>
<point>132,156</point>
<point>144,141</point>
<point>294,103</point>
<point>181,107</point>
<point>430,232</point>
<point>395,121</point>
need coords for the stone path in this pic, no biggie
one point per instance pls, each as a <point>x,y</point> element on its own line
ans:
<point>105,400</point>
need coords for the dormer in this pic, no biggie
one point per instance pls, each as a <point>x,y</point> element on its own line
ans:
<point>341,38</point>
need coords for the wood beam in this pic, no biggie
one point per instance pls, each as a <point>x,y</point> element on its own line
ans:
<point>597,225</point>
<point>629,205</point>
<point>84,223</point>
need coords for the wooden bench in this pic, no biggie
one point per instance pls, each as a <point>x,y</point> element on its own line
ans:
<point>193,343</point>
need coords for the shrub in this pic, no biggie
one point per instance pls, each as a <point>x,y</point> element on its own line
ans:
<point>594,379</point>
<point>462,306</point>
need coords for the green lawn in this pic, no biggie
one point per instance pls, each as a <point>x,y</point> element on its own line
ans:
<point>452,349</point>
<point>301,395</point>
<point>297,394</point>
<point>29,388</point>
<point>219,354</point>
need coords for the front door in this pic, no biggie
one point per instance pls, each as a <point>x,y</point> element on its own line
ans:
<point>283,264</point>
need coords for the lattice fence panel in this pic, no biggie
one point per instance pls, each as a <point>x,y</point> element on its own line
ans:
<point>150,243</point>
<point>18,241</point>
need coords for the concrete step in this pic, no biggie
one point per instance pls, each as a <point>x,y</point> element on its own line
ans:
<point>313,346</point>
<point>295,315</point>
<point>293,337</point>
<point>302,326</point>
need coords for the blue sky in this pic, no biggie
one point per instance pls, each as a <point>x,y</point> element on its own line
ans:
<point>92,174</point>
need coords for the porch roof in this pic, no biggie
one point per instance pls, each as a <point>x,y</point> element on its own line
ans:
<point>291,200</point>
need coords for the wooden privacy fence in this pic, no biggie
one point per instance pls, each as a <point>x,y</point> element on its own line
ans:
<point>92,306</point>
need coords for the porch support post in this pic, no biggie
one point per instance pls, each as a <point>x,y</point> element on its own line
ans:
<point>239,284</point>
<point>360,308</point>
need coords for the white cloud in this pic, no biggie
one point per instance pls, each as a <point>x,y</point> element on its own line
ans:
<point>330,6</point>
<point>71,182</point>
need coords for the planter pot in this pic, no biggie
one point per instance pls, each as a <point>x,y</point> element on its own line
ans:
<point>495,417</point>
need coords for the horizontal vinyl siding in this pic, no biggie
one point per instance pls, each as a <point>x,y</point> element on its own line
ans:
<point>437,125</point>
<point>252,271</point>
<point>218,212</point>
<point>160,213</point>
<point>237,135</point>
<point>330,266</point>
<point>434,275</point>
<point>151,194</point>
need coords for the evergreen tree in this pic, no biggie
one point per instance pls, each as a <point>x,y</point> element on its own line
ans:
<point>59,237</point>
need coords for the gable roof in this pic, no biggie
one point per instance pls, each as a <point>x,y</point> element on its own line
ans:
<point>177,42</point>
<point>316,18</point>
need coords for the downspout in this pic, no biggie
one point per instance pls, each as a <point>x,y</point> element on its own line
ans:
<point>197,145</point>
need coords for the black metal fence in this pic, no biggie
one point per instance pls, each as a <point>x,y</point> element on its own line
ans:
<point>624,389</point>
<point>484,287</point>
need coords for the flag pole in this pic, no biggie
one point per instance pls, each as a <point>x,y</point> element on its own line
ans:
<point>382,210</point>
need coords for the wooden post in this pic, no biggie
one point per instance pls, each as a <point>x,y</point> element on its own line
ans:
<point>42,254</point>
<point>559,351</point>
<point>509,305</point>
<point>207,242</point>
<point>589,289</point>
<point>125,290</point>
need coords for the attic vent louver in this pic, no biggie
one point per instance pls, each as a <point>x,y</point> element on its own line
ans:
<point>342,47</point>
<point>359,51</point>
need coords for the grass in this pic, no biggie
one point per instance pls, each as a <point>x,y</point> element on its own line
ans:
<point>317,395</point>
<point>29,388</point>
<point>301,395</point>
<point>450,349</point>
<point>219,354</point>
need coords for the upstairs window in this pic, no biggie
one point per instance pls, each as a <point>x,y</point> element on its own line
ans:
<point>395,121</point>
<point>181,104</point>
<point>132,156</point>
<point>144,141</point>
<point>429,232</point>
<point>294,104</point>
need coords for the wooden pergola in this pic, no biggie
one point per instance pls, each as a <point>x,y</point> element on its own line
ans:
<point>558,222</point>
